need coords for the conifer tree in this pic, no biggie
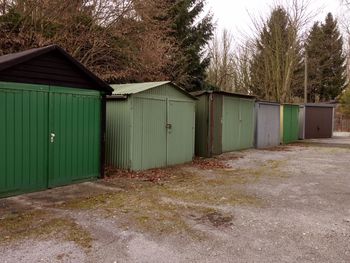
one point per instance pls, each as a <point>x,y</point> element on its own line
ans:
<point>277,58</point>
<point>192,35</point>
<point>332,62</point>
<point>314,52</point>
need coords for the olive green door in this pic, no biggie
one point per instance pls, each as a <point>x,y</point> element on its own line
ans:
<point>237,124</point>
<point>247,124</point>
<point>149,129</point>
<point>74,136</point>
<point>23,138</point>
<point>180,132</point>
<point>231,120</point>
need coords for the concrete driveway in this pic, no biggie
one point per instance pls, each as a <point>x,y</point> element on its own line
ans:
<point>287,204</point>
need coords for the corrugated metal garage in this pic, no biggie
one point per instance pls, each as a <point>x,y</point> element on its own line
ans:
<point>289,123</point>
<point>267,128</point>
<point>52,119</point>
<point>224,122</point>
<point>319,121</point>
<point>149,125</point>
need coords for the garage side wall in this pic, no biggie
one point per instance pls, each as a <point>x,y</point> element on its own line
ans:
<point>118,133</point>
<point>202,129</point>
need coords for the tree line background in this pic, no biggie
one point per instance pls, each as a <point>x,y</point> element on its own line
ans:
<point>149,40</point>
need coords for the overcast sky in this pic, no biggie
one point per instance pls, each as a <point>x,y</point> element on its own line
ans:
<point>235,15</point>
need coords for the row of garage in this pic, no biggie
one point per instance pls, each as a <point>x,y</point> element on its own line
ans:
<point>61,124</point>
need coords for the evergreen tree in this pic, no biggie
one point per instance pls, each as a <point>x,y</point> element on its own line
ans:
<point>314,52</point>
<point>277,58</point>
<point>192,35</point>
<point>332,63</point>
<point>345,102</point>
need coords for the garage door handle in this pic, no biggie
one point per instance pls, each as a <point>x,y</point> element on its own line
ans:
<point>168,126</point>
<point>52,137</point>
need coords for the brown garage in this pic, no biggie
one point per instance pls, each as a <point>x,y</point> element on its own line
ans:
<point>319,121</point>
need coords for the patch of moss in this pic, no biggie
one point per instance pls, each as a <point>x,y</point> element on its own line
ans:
<point>42,224</point>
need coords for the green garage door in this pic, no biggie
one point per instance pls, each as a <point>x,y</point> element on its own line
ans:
<point>23,138</point>
<point>74,147</point>
<point>230,124</point>
<point>181,121</point>
<point>48,137</point>
<point>247,124</point>
<point>149,133</point>
<point>290,123</point>
<point>237,124</point>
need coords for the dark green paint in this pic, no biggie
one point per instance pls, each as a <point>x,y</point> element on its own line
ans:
<point>290,123</point>
<point>28,114</point>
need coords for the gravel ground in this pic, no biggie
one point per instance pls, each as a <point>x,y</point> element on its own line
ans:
<point>287,204</point>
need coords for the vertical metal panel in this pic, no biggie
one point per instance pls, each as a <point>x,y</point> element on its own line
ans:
<point>149,133</point>
<point>137,136</point>
<point>302,122</point>
<point>267,125</point>
<point>290,123</point>
<point>118,133</point>
<point>231,124</point>
<point>181,134</point>
<point>23,138</point>
<point>216,124</point>
<point>238,124</point>
<point>246,123</point>
<point>75,121</point>
<point>202,126</point>
<point>318,122</point>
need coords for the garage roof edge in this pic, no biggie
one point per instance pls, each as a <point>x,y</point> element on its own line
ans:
<point>11,60</point>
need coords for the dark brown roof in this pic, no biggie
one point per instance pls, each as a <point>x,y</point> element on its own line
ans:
<point>234,94</point>
<point>7,62</point>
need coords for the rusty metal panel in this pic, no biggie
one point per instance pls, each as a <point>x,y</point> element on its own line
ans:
<point>318,121</point>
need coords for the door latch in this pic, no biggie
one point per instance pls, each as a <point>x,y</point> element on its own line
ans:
<point>52,137</point>
<point>168,126</point>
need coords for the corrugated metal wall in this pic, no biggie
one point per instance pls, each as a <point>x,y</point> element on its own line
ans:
<point>216,124</point>
<point>118,133</point>
<point>202,130</point>
<point>267,125</point>
<point>150,129</point>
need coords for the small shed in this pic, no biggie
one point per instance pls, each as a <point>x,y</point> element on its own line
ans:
<point>318,120</point>
<point>224,122</point>
<point>149,125</point>
<point>267,128</point>
<point>289,123</point>
<point>52,121</point>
